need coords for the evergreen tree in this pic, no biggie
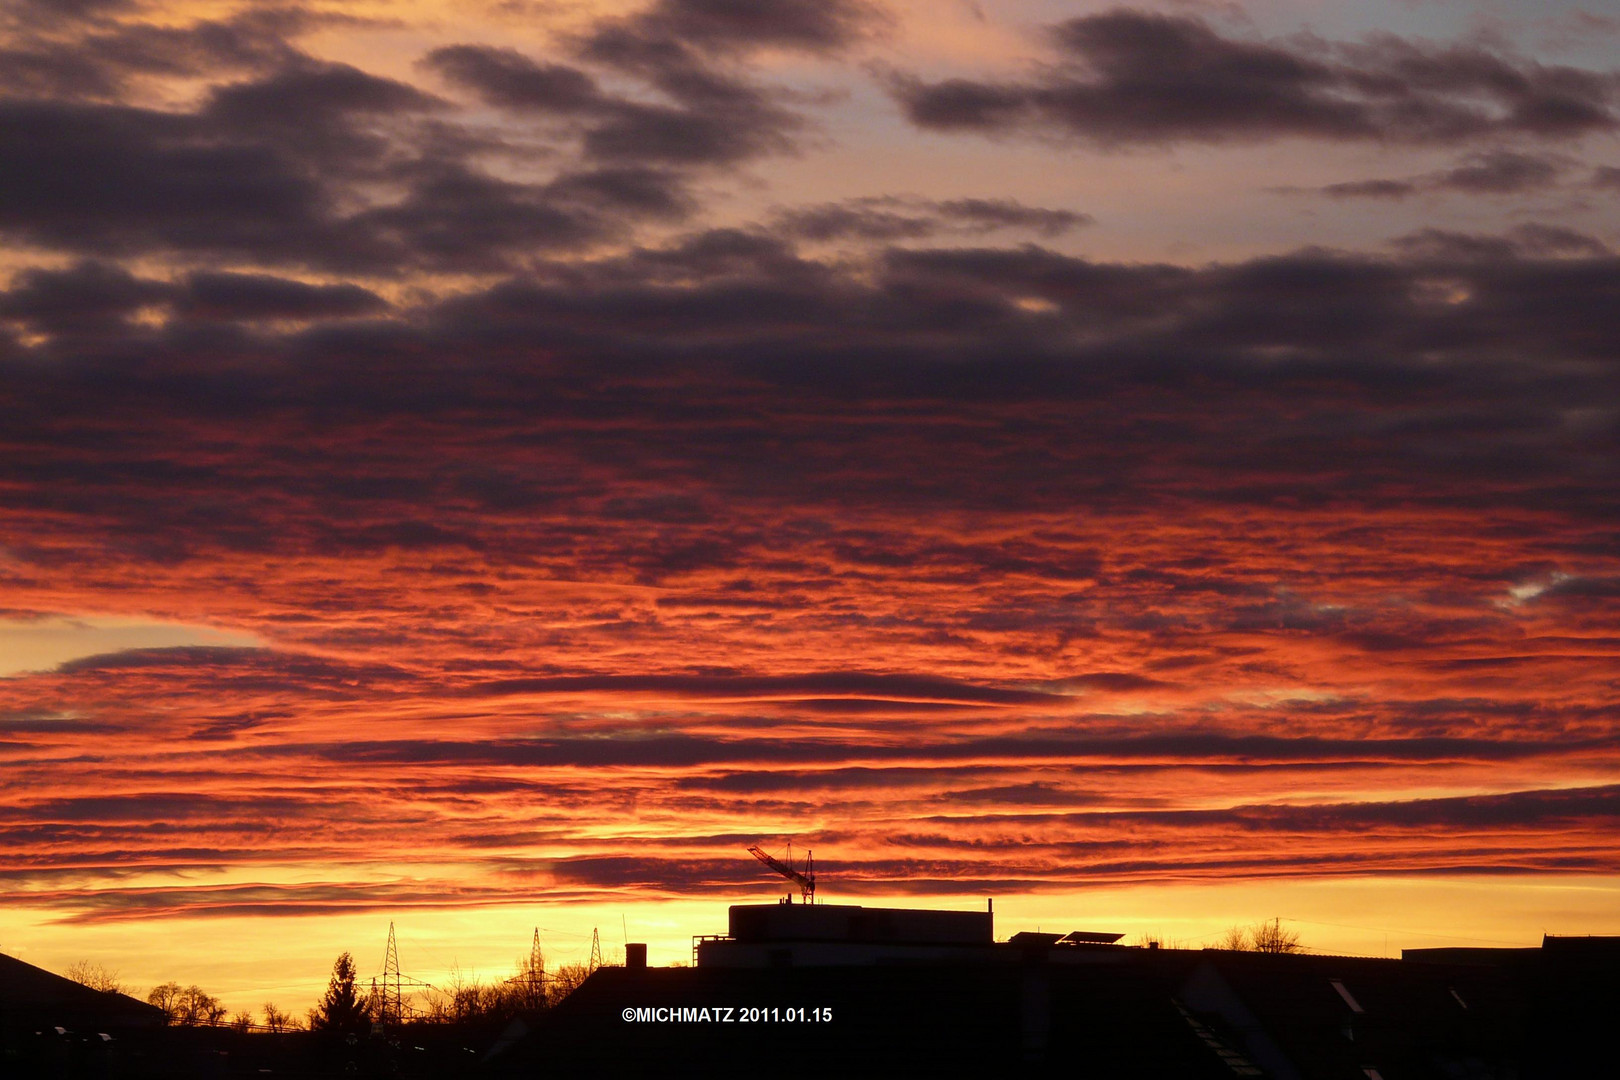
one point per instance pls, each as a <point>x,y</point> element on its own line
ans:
<point>341,1010</point>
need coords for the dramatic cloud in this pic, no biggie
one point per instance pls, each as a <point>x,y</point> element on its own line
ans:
<point>641,546</point>
<point>110,56</point>
<point>581,447</point>
<point>707,115</point>
<point>270,172</point>
<point>1130,77</point>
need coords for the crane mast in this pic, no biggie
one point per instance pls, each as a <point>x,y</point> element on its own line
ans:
<point>805,880</point>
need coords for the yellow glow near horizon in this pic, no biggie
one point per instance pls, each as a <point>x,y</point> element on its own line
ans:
<point>249,961</point>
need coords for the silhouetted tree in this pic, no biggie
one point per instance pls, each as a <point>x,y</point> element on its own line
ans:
<point>198,1008</point>
<point>468,998</point>
<point>1158,941</point>
<point>1266,937</point>
<point>166,996</point>
<point>1272,938</point>
<point>188,1006</point>
<point>95,976</point>
<point>341,1010</point>
<point>278,1021</point>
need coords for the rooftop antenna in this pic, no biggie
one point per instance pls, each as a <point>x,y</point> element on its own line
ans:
<point>805,879</point>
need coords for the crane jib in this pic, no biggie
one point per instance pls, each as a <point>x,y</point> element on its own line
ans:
<point>805,880</point>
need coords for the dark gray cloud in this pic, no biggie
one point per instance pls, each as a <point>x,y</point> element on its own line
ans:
<point>458,218</point>
<point>708,117</point>
<point>853,777</point>
<point>507,78</point>
<point>113,179</point>
<point>44,723</point>
<point>87,298</point>
<point>988,214</point>
<point>1532,241</point>
<point>1131,77</point>
<point>95,299</point>
<point>253,297</point>
<point>857,684</point>
<point>1495,172</point>
<point>1580,590</point>
<point>288,143</point>
<point>890,217</point>
<point>265,172</point>
<point>689,52</point>
<point>817,26</point>
<point>635,190</point>
<point>738,358</point>
<point>1502,172</point>
<point>305,107</point>
<point>155,806</point>
<point>741,126</point>
<point>241,668</point>
<point>1521,809</point>
<point>1037,793</point>
<point>75,51</point>
<point>1372,189</point>
<point>35,12</point>
<point>683,751</point>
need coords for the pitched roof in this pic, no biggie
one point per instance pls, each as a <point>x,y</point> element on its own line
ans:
<point>34,992</point>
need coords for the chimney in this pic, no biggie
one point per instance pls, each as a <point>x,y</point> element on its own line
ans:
<point>635,956</point>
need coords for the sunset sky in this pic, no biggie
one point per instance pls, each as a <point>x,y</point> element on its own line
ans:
<point>482,466</point>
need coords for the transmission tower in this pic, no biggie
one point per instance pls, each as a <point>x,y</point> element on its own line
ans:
<point>536,975</point>
<point>596,951</point>
<point>392,998</point>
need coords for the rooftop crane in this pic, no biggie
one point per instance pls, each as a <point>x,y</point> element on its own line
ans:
<point>805,880</point>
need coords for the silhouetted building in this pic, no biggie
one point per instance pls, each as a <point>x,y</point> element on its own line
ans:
<point>799,935</point>
<point>879,991</point>
<point>1570,989</point>
<point>53,1026</point>
<point>32,996</point>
